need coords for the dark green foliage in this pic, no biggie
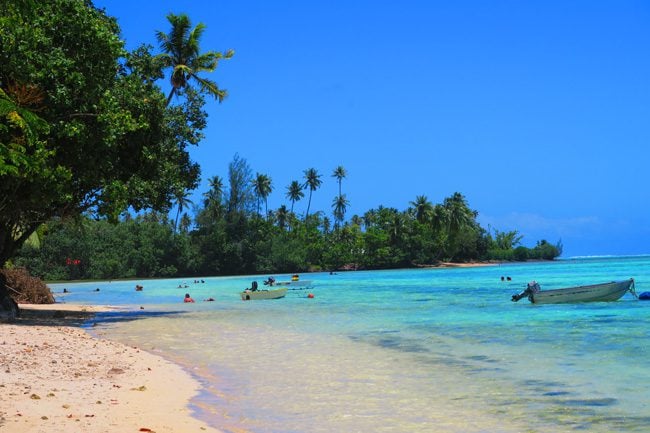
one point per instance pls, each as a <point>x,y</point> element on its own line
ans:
<point>545,251</point>
<point>243,242</point>
<point>83,126</point>
<point>522,253</point>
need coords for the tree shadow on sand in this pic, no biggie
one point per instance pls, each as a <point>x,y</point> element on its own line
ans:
<point>83,318</point>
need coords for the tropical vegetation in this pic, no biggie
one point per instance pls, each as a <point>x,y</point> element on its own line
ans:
<point>229,235</point>
<point>95,170</point>
<point>84,127</point>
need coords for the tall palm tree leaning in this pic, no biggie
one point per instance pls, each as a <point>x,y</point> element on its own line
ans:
<point>294,192</point>
<point>181,197</point>
<point>313,182</point>
<point>262,187</point>
<point>340,174</point>
<point>181,53</point>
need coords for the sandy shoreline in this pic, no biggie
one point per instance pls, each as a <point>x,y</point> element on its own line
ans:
<point>55,377</point>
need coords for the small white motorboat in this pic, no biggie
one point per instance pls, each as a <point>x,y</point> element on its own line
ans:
<point>603,292</point>
<point>251,295</point>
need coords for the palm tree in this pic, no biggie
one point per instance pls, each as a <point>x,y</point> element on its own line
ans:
<point>282,214</point>
<point>294,192</point>
<point>396,224</point>
<point>423,208</point>
<point>326,224</point>
<point>181,197</point>
<point>369,218</point>
<point>181,53</point>
<point>313,181</point>
<point>214,196</point>
<point>340,174</point>
<point>459,214</point>
<point>215,193</point>
<point>340,206</point>
<point>262,187</point>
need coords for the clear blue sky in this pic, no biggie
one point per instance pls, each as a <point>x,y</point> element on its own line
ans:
<point>538,112</point>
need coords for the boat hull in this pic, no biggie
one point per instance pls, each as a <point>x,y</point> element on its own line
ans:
<point>605,292</point>
<point>299,283</point>
<point>248,295</point>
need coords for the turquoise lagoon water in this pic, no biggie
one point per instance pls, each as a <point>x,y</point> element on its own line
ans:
<point>427,350</point>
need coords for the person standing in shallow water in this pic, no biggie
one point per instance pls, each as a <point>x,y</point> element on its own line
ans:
<point>188,298</point>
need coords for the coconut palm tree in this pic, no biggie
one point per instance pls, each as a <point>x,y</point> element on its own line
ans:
<point>340,174</point>
<point>181,198</point>
<point>396,225</point>
<point>262,187</point>
<point>282,214</point>
<point>326,224</point>
<point>215,193</point>
<point>213,198</point>
<point>340,206</point>
<point>369,218</point>
<point>181,53</point>
<point>313,182</point>
<point>294,192</point>
<point>423,208</point>
<point>458,212</point>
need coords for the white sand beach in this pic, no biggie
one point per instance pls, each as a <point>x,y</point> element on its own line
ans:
<point>57,378</point>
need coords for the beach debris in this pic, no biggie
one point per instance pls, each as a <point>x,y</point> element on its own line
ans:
<point>35,397</point>
<point>44,417</point>
<point>140,388</point>
<point>146,429</point>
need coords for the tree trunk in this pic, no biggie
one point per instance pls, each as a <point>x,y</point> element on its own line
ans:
<point>8,307</point>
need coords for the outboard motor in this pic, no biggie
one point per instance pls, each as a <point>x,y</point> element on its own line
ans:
<point>532,288</point>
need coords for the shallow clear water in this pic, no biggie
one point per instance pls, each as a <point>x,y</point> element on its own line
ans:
<point>424,350</point>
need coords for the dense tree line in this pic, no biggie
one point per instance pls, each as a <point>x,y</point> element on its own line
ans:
<point>232,233</point>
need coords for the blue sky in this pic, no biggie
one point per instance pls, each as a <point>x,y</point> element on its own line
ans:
<point>538,112</point>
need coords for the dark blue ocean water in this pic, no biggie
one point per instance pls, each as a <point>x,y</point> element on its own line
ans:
<point>427,350</point>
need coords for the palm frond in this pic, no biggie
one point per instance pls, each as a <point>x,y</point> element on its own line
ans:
<point>206,62</point>
<point>210,87</point>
